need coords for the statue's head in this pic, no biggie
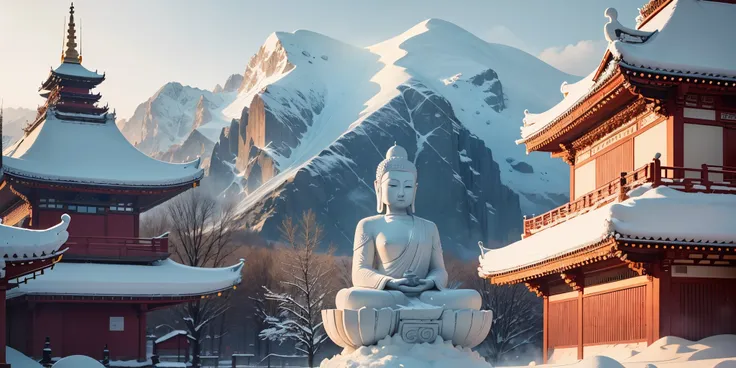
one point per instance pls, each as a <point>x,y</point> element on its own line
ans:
<point>396,181</point>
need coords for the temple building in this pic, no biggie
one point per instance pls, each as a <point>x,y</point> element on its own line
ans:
<point>74,160</point>
<point>645,247</point>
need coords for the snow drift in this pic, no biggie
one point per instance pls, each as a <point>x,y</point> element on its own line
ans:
<point>394,352</point>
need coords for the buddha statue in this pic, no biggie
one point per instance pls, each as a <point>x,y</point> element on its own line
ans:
<point>397,256</point>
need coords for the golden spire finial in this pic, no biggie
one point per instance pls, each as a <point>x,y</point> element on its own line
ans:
<point>70,54</point>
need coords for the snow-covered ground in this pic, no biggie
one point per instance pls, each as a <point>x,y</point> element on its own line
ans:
<point>77,361</point>
<point>668,352</point>
<point>394,352</point>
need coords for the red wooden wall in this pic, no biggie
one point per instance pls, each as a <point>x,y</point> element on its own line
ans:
<point>111,224</point>
<point>702,307</point>
<point>615,316</point>
<point>70,325</point>
<point>563,325</point>
<point>19,328</point>
<point>729,148</point>
<point>121,225</point>
<point>610,164</point>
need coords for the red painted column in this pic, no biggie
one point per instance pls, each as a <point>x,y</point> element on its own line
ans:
<point>581,343</point>
<point>3,325</point>
<point>545,331</point>
<point>142,332</point>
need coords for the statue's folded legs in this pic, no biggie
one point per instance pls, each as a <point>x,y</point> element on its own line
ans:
<point>452,298</point>
<point>358,297</point>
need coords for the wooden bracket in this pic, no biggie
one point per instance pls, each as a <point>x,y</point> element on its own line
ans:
<point>574,281</point>
<point>658,107</point>
<point>634,90</point>
<point>639,267</point>
<point>537,289</point>
<point>567,154</point>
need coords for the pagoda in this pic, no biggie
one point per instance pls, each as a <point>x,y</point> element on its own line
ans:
<point>645,247</point>
<point>73,159</point>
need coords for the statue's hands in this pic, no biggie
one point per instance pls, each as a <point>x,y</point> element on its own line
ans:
<point>424,285</point>
<point>396,284</point>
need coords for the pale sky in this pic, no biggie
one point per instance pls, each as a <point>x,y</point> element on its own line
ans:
<point>143,44</point>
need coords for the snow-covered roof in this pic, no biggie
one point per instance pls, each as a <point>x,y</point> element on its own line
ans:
<point>90,153</point>
<point>23,244</point>
<point>672,42</point>
<point>648,213</point>
<point>170,335</point>
<point>19,360</point>
<point>574,94</point>
<point>695,38</point>
<point>76,70</point>
<point>162,279</point>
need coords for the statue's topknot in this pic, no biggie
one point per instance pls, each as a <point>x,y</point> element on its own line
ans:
<point>397,159</point>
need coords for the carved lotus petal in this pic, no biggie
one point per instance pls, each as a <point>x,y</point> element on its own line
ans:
<point>355,328</point>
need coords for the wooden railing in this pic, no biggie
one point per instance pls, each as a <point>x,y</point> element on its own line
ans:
<point>117,247</point>
<point>680,178</point>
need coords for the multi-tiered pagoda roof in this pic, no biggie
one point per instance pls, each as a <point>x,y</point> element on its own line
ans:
<point>73,141</point>
<point>73,159</point>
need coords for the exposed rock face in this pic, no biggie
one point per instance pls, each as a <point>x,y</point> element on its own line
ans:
<point>202,114</point>
<point>492,86</point>
<point>338,185</point>
<point>233,83</point>
<point>259,169</point>
<point>271,59</point>
<point>196,145</point>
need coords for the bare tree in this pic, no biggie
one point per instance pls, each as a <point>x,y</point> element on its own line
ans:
<point>155,223</point>
<point>201,237</point>
<point>306,282</point>
<point>261,272</point>
<point>517,321</point>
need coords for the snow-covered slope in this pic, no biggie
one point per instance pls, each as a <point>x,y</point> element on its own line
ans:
<point>315,116</point>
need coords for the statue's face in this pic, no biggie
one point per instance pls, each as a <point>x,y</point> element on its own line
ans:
<point>398,189</point>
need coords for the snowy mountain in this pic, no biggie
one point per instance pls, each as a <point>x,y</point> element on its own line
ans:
<point>169,117</point>
<point>14,119</point>
<point>310,118</point>
<point>314,116</point>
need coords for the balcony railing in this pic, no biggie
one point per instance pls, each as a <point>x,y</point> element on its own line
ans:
<point>706,179</point>
<point>117,248</point>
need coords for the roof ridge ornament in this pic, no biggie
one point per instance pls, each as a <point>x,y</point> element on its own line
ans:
<point>615,31</point>
<point>71,55</point>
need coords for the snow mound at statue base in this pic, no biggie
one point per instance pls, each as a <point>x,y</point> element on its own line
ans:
<point>394,352</point>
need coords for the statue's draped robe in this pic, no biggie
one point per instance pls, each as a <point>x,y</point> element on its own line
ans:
<point>422,255</point>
